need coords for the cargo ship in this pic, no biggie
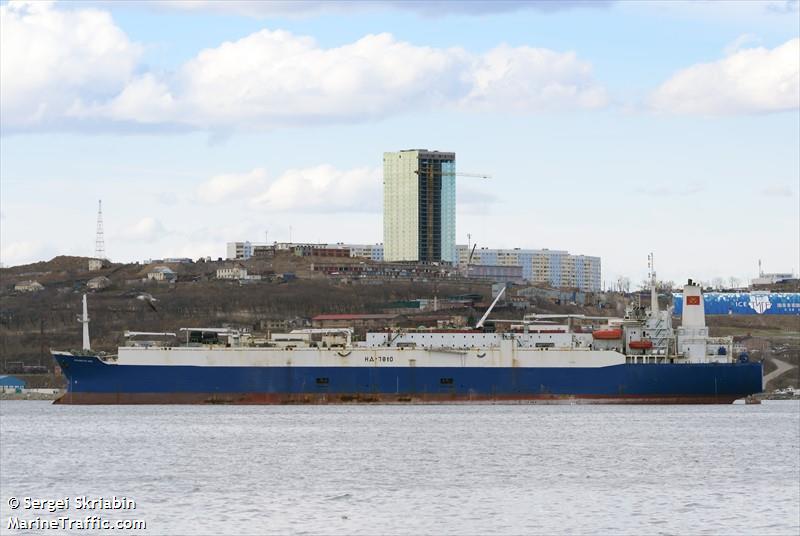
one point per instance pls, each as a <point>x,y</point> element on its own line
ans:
<point>636,359</point>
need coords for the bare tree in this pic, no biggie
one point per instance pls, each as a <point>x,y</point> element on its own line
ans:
<point>624,284</point>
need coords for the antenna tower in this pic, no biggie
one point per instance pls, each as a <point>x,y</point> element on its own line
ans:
<point>99,243</point>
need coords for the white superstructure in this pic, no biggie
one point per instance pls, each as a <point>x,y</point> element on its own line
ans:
<point>641,337</point>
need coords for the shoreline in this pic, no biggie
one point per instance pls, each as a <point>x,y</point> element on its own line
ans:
<point>35,395</point>
<point>39,396</point>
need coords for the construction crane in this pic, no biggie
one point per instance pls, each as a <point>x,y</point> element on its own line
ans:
<point>430,173</point>
<point>459,174</point>
<point>469,259</point>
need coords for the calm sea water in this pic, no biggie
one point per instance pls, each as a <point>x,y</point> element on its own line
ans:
<point>413,469</point>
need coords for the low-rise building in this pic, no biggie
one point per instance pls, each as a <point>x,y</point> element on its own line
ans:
<point>273,325</point>
<point>247,250</point>
<point>98,283</point>
<point>495,273</point>
<point>28,286</point>
<point>307,250</point>
<point>231,272</point>
<point>237,273</point>
<point>95,264</point>
<point>162,273</point>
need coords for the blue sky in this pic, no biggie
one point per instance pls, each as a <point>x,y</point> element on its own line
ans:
<point>610,129</point>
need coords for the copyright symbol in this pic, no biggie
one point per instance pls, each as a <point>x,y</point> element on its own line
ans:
<point>13,502</point>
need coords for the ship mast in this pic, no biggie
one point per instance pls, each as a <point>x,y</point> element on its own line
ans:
<point>84,319</point>
<point>653,292</point>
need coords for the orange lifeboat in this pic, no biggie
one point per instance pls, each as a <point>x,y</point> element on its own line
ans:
<point>643,344</point>
<point>607,334</point>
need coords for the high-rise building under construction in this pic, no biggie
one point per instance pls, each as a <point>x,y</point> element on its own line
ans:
<point>419,206</point>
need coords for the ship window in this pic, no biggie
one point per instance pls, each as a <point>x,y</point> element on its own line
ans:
<point>446,381</point>
<point>323,381</point>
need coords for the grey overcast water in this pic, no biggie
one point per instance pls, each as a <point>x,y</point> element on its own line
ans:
<point>513,469</point>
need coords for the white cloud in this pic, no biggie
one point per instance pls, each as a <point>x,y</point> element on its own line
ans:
<point>753,80</point>
<point>145,99</point>
<point>323,189</point>
<point>231,185</point>
<point>275,8</point>
<point>526,78</point>
<point>739,43</point>
<point>21,252</point>
<point>670,191</point>
<point>52,58</point>
<point>275,78</point>
<point>75,68</point>
<point>777,190</point>
<point>147,229</point>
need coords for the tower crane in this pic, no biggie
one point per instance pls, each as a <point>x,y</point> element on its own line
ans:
<point>456,174</point>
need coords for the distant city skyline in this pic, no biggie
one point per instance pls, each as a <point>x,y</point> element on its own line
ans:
<point>605,133</point>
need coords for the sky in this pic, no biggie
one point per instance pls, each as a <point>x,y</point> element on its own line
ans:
<point>609,128</point>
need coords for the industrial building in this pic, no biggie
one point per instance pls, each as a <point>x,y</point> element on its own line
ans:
<point>770,279</point>
<point>554,268</point>
<point>10,384</point>
<point>419,206</point>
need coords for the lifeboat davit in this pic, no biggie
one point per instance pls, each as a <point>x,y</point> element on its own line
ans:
<point>643,344</point>
<point>607,334</point>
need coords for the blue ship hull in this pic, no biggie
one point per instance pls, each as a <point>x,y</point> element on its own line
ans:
<point>91,381</point>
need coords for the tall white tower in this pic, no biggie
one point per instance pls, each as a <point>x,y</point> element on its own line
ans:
<point>99,243</point>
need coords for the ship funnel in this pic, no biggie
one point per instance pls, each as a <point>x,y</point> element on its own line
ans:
<point>694,310</point>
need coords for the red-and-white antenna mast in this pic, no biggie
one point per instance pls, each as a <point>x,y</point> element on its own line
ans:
<point>99,242</point>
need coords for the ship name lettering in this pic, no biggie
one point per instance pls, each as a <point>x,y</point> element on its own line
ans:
<point>379,359</point>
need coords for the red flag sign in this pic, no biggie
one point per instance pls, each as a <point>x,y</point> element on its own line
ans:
<point>692,300</point>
